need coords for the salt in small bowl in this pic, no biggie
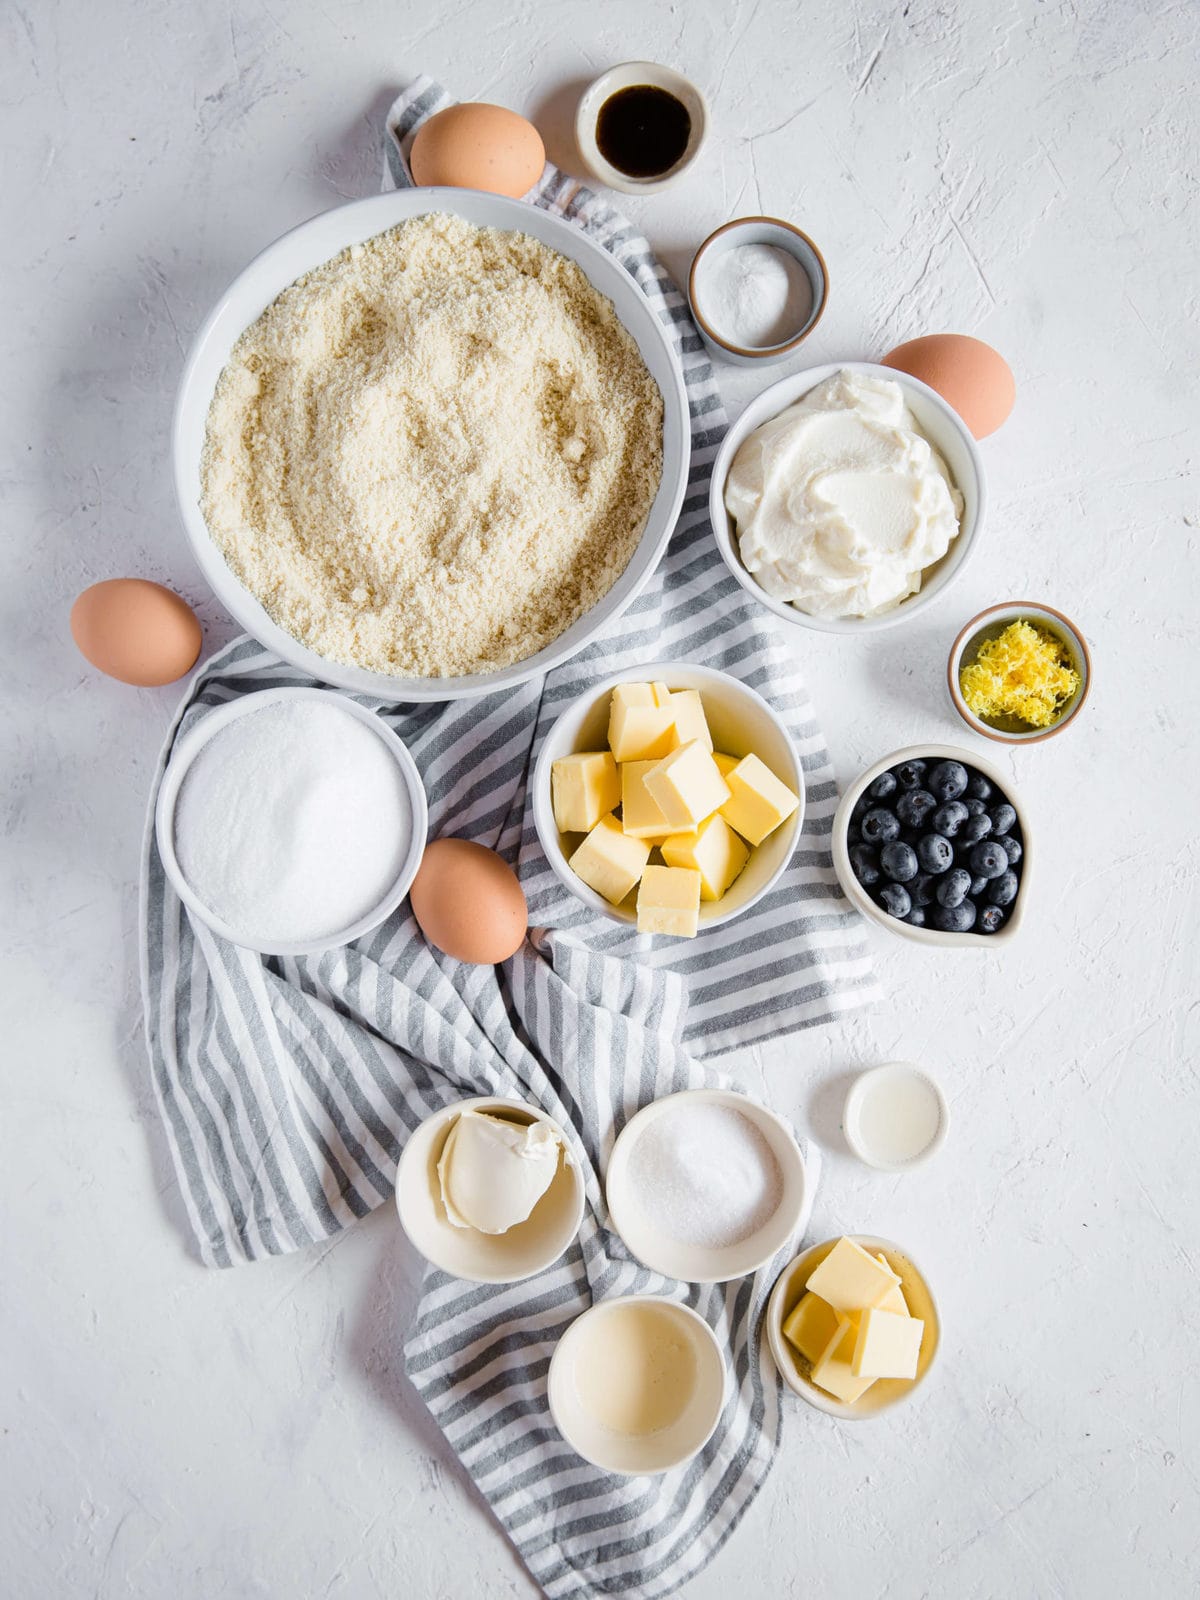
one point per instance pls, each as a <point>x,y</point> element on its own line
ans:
<point>732,236</point>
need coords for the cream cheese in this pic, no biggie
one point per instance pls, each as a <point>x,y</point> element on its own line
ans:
<point>840,502</point>
<point>493,1172</point>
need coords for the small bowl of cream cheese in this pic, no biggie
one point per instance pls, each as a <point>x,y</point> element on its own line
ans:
<point>757,288</point>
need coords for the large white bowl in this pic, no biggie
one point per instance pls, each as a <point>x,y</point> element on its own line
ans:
<point>741,721</point>
<point>316,241</point>
<point>944,429</point>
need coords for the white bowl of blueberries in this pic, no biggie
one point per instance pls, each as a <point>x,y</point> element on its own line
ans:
<point>932,843</point>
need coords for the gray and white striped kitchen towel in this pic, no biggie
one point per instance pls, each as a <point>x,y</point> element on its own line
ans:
<point>288,1087</point>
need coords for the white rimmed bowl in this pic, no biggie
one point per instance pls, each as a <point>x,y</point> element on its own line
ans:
<point>693,1263</point>
<point>197,738</point>
<point>629,75</point>
<point>884,1393</point>
<point>905,1076</point>
<point>740,721</point>
<point>944,429</point>
<point>733,235</point>
<point>315,242</point>
<point>569,1388</point>
<point>987,625</point>
<point>529,1248</point>
<point>859,897</point>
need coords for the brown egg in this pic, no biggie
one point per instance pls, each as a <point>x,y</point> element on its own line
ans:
<point>136,631</point>
<point>968,374</point>
<point>478,147</point>
<point>468,903</point>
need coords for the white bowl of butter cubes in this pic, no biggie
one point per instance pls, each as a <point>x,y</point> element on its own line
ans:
<point>669,796</point>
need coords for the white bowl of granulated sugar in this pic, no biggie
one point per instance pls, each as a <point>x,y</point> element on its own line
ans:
<point>705,1185</point>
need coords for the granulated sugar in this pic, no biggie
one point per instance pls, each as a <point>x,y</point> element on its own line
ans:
<point>292,822</point>
<point>705,1175</point>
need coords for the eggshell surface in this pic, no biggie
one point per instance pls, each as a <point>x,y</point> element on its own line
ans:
<point>468,903</point>
<point>478,147</point>
<point>136,631</point>
<point>968,374</point>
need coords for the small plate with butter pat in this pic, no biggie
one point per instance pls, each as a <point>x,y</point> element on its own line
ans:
<point>488,1191</point>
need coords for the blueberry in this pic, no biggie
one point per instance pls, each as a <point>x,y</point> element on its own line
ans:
<point>988,859</point>
<point>1012,849</point>
<point>1004,889</point>
<point>913,806</point>
<point>916,917</point>
<point>953,889</point>
<point>880,826</point>
<point>865,861</point>
<point>947,780</point>
<point>978,885</point>
<point>955,919</point>
<point>974,828</point>
<point>899,861</point>
<point>893,897</point>
<point>883,787</point>
<point>978,787</point>
<point>910,774</point>
<point>935,853</point>
<point>990,918</point>
<point>948,819</point>
<point>1003,817</point>
<point>975,807</point>
<point>922,889</point>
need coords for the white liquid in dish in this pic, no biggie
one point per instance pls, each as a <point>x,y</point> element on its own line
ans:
<point>898,1117</point>
<point>635,1370</point>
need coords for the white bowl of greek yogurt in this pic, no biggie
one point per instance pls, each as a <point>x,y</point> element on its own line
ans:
<point>855,512</point>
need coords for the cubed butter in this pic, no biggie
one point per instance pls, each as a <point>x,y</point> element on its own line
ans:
<point>582,789</point>
<point>810,1326</point>
<point>690,721</point>
<point>758,801</point>
<point>850,1279</point>
<point>725,764</point>
<point>832,1370</point>
<point>687,785</point>
<point>714,851</point>
<point>894,1299</point>
<point>669,901</point>
<point>640,728</point>
<point>887,1346</point>
<point>641,816</point>
<point>609,861</point>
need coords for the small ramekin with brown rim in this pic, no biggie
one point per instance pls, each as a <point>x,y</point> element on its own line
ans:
<point>990,624</point>
<point>732,236</point>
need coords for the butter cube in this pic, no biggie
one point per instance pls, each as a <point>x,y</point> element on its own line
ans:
<point>758,801</point>
<point>850,1279</point>
<point>894,1299</point>
<point>725,764</point>
<point>609,861</point>
<point>714,851</point>
<point>832,1370</point>
<point>641,722</point>
<point>690,721</point>
<point>582,788</point>
<point>641,816</point>
<point>811,1326</point>
<point>687,786</point>
<point>669,901</point>
<point>887,1346</point>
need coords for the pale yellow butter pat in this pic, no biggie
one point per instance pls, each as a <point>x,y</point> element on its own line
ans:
<point>894,1299</point>
<point>687,786</point>
<point>832,1370</point>
<point>640,726</point>
<point>887,1346</point>
<point>690,721</point>
<point>725,764</point>
<point>582,788</point>
<point>810,1326</point>
<point>641,816</point>
<point>850,1279</point>
<point>609,861</point>
<point>714,851</point>
<point>669,901</point>
<point>758,801</point>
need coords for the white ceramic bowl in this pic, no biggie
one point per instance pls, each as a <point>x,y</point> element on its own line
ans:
<point>693,1263</point>
<point>993,621</point>
<point>633,1454</point>
<point>740,721</point>
<point>530,1247</point>
<point>316,241</point>
<point>898,1077</point>
<point>945,430</point>
<point>190,746</point>
<point>733,235</point>
<point>859,897</point>
<point>884,1393</point>
<point>629,75</point>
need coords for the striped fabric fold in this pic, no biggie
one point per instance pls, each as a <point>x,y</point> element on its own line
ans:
<point>289,1086</point>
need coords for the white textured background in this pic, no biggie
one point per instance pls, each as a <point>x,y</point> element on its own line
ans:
<point>1026,171</point>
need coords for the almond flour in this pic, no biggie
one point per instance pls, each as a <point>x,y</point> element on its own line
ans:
<point>432,454</point>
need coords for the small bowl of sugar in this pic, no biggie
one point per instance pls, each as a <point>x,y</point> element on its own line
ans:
<point>705,1185</point>
<point>757,289</point>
